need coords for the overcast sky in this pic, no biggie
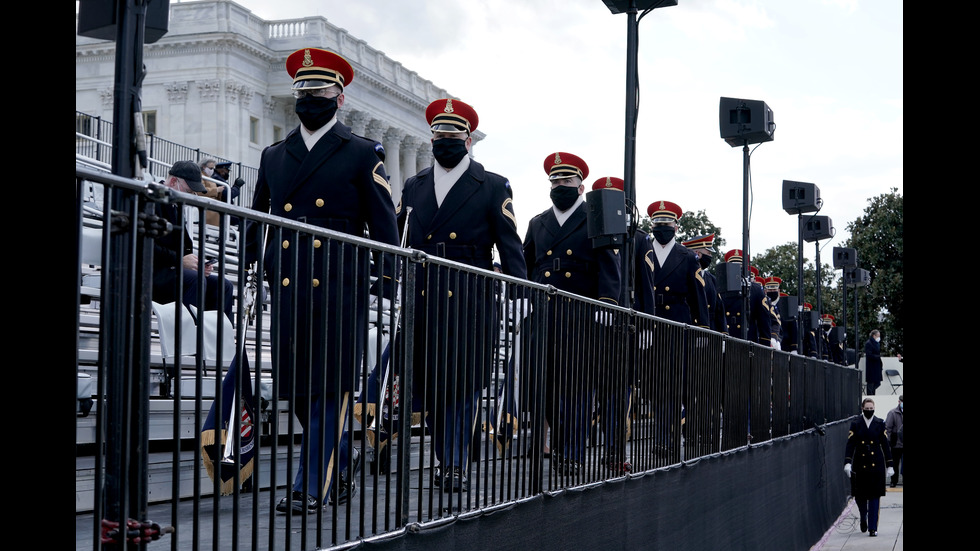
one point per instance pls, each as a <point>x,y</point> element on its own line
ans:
<point>550,75</point>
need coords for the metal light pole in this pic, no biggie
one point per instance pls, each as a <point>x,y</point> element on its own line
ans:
<point>630,8</point>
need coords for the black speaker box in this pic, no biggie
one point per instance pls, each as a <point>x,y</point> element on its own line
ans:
<point>818,227</point>
<point>606,209</point>
<point>856,277</point>
<point>810,321</point>
<point>97,19</point>
<point>745,121</point>
<point>845,257</point>
<point>729,277</point>
<point>623,6</point>
<point>800,197</point>
<point>788,307</point>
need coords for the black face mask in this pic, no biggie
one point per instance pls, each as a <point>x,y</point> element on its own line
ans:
<point>773,296</point>
<point>663,234</point>
<point>564,197</point>
<point>869,413</point>
<point>449,151</point>
<point>314,112</point>
<point>705,261</point>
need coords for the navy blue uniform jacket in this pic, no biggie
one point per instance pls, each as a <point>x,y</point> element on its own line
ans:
<point>679,288</point>
<point>341,185</point>
<point>563,256</point>
<point>456,316</point>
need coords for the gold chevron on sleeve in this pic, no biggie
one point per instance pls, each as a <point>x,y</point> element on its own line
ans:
<point>380,179</point>
<point>508,213</point>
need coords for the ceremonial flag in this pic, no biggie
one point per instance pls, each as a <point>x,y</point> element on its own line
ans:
<point>223,448</point>
<point>504,412</point>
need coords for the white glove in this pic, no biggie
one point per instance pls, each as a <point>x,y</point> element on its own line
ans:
<point>847,468</point>
<point>775,344</point>
<point>722,346</point>
<point>794,352</point>
<point>890,471</point>
<point>518,309</point>
<point>385,304</point>
<point>645,339</point>
<point>603,317</point>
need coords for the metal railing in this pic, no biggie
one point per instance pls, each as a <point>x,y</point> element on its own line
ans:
<point>93,140</point>
<point>625,398</point>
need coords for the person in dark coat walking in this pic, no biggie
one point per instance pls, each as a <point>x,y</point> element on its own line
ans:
<point>324,175</point>
<point>894,422</point>
<point>559,252</point>
<point>868,460</point>
<point>759,320</point>
<point>702,246</point>
<point>872,367</point>
<point>459,211</point>
<point>615,388</point>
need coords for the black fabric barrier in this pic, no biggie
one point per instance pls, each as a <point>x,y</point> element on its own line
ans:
<point>781,495</point>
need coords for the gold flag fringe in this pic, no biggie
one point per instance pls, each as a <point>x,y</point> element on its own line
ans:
<point>227,488</point>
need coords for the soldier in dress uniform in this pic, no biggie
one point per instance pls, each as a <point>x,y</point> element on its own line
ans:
<point>823,337</point>
<point>323,175</point>
<point>616,384</point>
<point>834,345</point>
<point>759,318</point>
<point>558,252</point>
<point>789,329</point>
<point>456,210</point>
<point>771,286</point>
<point>811,348</point>
<point>703,247</point>
<point>678,286</point>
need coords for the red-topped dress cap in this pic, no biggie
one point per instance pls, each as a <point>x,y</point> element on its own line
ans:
<point>701,242</point>
<point>451,115</point>
<point>773,282</point>
<point>734,255</point>
<point>609,182</point>
<point>312,67</point>
<point>665,210</point>
<point>754,271</point>
<point>560,165</point>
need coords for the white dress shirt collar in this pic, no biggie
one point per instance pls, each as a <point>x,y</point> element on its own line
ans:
<point>563,216</point>
<point>310,138</point>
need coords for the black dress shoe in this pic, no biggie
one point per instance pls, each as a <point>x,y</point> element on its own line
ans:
<point>873,533</point>
<point>456,481</point>
<point>437,477</point>
<point>298,503</point>
<point>617,466</point>
<point>348,481</point>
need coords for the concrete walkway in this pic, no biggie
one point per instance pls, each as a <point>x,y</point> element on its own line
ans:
<point>846,535</point>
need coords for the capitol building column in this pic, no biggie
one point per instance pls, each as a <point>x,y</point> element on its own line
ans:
<point>358,121</point>
<point>423,157</point>
<point>392,142</point>
<point>410,147</point>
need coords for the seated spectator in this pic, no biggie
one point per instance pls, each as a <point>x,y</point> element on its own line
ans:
<point>171,258</point>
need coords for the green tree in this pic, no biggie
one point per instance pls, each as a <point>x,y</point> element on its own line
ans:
<point>877,238</point>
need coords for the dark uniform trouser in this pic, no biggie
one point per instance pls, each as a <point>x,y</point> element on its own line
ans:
<point>320,428</point>
<point>869,511</point>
